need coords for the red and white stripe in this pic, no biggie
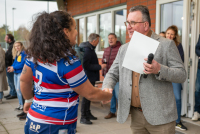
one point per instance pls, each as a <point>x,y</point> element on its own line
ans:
<point>75,77</point>
<point>48,120</point>
<point>56,103</point>
<point>61,99</point>
<point>72,72</point>
<point>54,88</point>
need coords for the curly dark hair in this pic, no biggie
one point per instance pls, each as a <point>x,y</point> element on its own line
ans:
<point>48,42</point>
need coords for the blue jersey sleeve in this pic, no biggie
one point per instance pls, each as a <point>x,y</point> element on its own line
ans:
<point>28,62</point>
<point>73,73</point>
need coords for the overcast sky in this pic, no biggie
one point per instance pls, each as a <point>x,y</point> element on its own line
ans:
<point>23,12</point>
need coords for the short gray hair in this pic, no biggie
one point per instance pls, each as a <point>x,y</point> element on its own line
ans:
<point>113,34</point>
<point>93,36</point>
<point>145,13</point>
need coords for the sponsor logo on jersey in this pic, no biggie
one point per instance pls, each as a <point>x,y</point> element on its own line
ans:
<point>39,107</point>
<point>34,127</point>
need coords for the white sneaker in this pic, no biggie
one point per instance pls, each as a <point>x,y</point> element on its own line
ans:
<point>196,116</point>
<point>18,108</point>
<point>21,107</point>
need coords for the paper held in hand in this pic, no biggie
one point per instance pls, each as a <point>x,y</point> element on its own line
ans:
<point>139,48</point>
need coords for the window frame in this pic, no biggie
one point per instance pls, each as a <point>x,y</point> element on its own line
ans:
<point>97,14</point>
<point>158,12</point>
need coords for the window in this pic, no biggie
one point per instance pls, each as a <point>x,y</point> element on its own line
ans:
<point>172,14</point>
<point>105,29</point>
<point>91,25</point>
<point>103,22</point>
<point>81,28</point>
<point>120,28</point>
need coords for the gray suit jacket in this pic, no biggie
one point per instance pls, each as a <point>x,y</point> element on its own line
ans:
<point>156,92</point>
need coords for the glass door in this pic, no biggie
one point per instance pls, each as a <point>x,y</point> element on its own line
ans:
<point>171,13</point>
<point>193,59</point>
<point>184,14</point>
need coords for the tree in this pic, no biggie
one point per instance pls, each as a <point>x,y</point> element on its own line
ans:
<point>22,33</point>
<point>3,32</point>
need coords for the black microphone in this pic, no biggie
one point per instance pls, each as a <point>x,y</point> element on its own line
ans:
<point>149,61</point>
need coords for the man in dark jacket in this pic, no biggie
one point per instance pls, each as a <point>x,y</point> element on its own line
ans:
<point>9,61</point>
<point>197,86</point>
<point>91,67</point>
<point>79,52</point>
<point>108,57</point>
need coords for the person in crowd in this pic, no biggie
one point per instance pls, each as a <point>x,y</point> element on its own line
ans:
<point>9,61</point>
<point>162,34</point>
<point>91,67</point>
<point>196,115</point>
<point>108,58</point>
<point>3,81</point>
<point>151,100</point>
<point>172,34</point>
<point>19,55</point>
<point>58,76</point>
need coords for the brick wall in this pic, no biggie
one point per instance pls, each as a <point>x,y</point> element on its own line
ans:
<point>77,7</point>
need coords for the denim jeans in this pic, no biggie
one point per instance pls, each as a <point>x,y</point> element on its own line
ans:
<point>17,87</point>
<point>177,87</point>
<point>10,77</point>
<point>114,98</point>
<point>197,93</point>
<point>1,95</point>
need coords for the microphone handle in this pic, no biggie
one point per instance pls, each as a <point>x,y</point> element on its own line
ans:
<point>149,62</point>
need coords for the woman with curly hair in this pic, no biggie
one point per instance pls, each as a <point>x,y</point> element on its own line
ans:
<point>58,76</point>
<point>172,34</point>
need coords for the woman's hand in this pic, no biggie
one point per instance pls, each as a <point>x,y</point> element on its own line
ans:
<point>10,69</point>
<point>27,106</point>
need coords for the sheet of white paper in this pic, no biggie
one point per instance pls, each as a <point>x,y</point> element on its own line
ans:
<point>139,48</point>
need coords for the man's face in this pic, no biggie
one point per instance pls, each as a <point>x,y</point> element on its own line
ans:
<point>7,40</point>
<point>135,16</point>
<point>96,41</point>
<point>112,40</point>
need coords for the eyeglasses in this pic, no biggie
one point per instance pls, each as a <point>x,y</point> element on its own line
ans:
<point>132,23</point>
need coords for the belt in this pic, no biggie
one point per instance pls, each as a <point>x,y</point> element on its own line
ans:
<point>137,108</point>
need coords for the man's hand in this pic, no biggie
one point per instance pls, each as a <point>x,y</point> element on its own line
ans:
<point>152,68</point>
<point>103,66</point>
<point>27,106</point>
<point>109,90</point>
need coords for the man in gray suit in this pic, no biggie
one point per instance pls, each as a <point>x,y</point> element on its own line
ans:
<point>151,100</point>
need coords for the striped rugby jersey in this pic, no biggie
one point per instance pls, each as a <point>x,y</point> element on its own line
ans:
<point>54,100</point>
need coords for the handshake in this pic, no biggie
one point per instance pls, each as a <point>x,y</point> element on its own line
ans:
<point>109,90</point>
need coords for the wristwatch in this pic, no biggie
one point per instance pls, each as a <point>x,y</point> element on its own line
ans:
<point>158,73</point>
